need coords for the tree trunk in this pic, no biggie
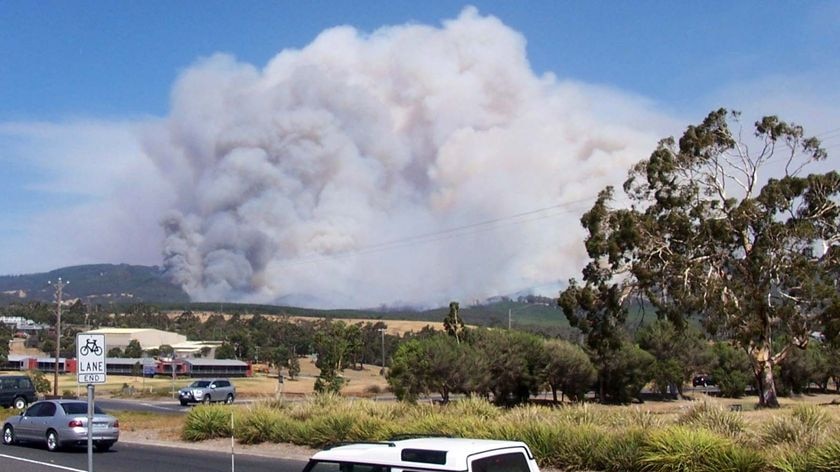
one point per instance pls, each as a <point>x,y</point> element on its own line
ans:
<point>554,392</point>
<point>763,363</point>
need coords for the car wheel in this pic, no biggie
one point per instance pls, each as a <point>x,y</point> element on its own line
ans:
<point>8,435</point>
<point>52,441</point>
<point>19,403</point>
<point>206,399</point>
<point>229,399</point>
<point>103,446</point>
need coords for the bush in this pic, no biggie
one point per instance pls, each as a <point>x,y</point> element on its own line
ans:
<point>714,418</point>
<point>42,385</point>
<point>825,458</point>
<point>696,450</point>
<point>733,373</point>
<point>207,422</point>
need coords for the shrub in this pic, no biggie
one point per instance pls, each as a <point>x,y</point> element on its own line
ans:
<point>825,458</point>
<point>696,450</point>
<point>714,418</point>
<point>207,422</point>
<point>733,371</point>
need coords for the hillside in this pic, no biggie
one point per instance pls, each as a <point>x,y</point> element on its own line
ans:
<point>99,283</point>
<point>123,285</point>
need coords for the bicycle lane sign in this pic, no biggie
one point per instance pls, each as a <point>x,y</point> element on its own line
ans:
<point>90,353</point>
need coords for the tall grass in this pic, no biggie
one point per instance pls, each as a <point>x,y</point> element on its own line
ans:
<point>705,437</point>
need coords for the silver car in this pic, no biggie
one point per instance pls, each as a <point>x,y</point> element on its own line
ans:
<point>60,423</point>
<point>206,391</point>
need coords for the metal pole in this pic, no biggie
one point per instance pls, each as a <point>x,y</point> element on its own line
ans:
<point>173,374</point>
<point>59,286</point>
<point>232,454</point>
<point>90,392</point>
<point>382,331</point>
<point>509,310</point>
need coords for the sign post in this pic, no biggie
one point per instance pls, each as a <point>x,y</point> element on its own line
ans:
<point>90,353</point>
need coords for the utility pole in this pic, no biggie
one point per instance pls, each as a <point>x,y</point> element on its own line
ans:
<point>59,288</point>
<point>382,331</point>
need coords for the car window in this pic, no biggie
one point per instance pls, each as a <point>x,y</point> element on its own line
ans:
<point>511,462</point>
<point>200,384</point>
<point>323,466</point>
<point>25,383</point>
<point>79,408</point>
<point>34,410</point>
<point>47,410</point>
<point>223,383</point>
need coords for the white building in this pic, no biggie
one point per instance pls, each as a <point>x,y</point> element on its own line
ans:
<point>148,338</point>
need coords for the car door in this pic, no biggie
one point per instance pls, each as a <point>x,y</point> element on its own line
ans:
<point>43,420</point>
<point>24,429</point>
<point>6,391</point>
<point>211,390</point>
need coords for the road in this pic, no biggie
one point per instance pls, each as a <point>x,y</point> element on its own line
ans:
<point>125,457</point>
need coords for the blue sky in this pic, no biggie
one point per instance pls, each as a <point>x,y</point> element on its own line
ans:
<point>77,74</point>
<point>80,58</point>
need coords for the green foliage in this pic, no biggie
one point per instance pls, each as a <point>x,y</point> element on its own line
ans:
<point>745,265</point>
<point>825,458</point>
<point>679,353</point>
<point>679,449</point>
<point>40,381</point>
<point>226,351</point>
<point>802,367</point>
<point>568,369</point>
<point>207,422</point>
<point>712,416</point>
<point>733,372</point>
<point>453,324</point>
<point>625,373</point>
<point>133,350</point>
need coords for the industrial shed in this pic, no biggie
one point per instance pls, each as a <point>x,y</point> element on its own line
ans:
<point>147,337</point>
<point>126,366</point>
<point>217,368</point>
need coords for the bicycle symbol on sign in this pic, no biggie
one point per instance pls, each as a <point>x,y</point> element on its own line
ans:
<point>90,346</point>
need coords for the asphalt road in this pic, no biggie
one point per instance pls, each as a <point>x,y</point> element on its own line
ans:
<point>125,457</point>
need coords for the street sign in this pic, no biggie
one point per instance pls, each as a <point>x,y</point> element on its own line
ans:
<point>90,352</point>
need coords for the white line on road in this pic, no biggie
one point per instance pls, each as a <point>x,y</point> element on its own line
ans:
<point>55,466</point>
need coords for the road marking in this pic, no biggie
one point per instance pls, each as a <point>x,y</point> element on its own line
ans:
<point>55,466</point>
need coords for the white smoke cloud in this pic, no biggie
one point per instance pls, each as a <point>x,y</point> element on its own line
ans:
<point>291,182</point>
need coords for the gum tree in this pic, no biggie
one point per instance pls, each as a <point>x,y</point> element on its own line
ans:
<point>705,234</point>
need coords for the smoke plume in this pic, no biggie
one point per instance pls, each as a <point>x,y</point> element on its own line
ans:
<point>412,165</point>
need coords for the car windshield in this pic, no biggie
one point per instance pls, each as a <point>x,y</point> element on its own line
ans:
<point>200,384</point>
<point>79,408</point>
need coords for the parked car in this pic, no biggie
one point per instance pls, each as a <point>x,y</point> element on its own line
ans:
<point>61,423</point>
<point>17,391</point>
<point>208,390</point>
<point>702,380</point>
<point>427,454</point>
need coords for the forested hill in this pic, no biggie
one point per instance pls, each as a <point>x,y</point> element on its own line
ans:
<point>119,283</point>
<point>126,285</point>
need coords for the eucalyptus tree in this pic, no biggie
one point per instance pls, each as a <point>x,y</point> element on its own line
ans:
<point>702,233</point>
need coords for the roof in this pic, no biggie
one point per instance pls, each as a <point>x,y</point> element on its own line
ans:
<point>216,362</point>
<point>457,450</point>
<point>130,360</point>
<point>118,330</point>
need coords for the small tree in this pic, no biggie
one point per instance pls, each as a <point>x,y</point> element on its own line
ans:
<point>115,352</point>
<point>133,350</point>
<point>41,383</point>
<point>732,374</point>
<point>453,324</point>
<point>568,369</point>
